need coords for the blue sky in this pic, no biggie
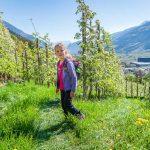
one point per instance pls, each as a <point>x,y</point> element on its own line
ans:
<point>57,17</point>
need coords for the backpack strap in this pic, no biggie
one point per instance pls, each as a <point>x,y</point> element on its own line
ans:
<point>65,65</point>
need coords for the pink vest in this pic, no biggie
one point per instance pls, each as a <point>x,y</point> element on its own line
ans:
<point>60,76</point>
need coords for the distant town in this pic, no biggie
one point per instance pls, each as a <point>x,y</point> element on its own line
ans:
<point>141,65</point>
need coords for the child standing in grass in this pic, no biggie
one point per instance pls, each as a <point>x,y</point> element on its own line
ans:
<point>66,81</point>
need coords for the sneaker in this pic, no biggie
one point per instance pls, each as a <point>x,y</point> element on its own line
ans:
<point>81,116</point>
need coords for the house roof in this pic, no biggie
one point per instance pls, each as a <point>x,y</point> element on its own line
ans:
<point>140,63</point>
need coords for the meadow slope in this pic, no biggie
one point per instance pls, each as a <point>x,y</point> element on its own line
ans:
<point>31,118</point>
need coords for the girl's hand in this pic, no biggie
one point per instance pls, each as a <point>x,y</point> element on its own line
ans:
<point>72,94</point>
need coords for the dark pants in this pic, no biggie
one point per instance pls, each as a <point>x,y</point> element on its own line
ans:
<point>66,103</point>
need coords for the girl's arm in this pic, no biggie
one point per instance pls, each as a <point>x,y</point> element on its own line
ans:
<point>73,76</point>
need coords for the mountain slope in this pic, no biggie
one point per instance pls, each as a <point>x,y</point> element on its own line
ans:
<point>17,32</point>
<point>20,34</point>
<point>133,40</point>
<point>74,47</point>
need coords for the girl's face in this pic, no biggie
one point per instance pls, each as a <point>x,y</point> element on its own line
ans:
<point>60,52</point>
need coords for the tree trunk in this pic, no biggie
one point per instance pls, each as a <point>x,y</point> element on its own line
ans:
<point>131,88</point>
<point>126,87</point>
<point>83,52</point>
<point>149,92</point>
<point>144,89</point>
<point>137,88</point>
<point>91,89</point>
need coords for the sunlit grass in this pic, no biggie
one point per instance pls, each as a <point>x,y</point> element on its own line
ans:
<point>32,114</point>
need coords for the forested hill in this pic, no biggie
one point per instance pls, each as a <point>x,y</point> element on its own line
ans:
<point>17,32</point>
<point>135,39</point>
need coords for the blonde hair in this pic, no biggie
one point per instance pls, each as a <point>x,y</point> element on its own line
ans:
<point>68,55</point>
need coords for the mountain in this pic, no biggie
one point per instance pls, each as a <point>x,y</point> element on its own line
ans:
<point>133,40</point>
<point>74,47</point>
<point>20,34</point>
<point>17,32</point>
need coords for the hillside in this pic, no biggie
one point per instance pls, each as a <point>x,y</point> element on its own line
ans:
<point>31,118</point>
<point>17,32</point>
<point>130,43</point>
<point>74,47</point>
<point>133,40</point>
<point>20,34</point>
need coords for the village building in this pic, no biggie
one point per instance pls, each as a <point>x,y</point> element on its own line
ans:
<point>141,62</point>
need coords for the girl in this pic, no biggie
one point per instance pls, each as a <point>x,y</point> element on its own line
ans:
<point>66,81</point>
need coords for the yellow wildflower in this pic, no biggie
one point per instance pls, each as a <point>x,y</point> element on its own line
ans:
<point>139,122</point>
<point>142,120</point>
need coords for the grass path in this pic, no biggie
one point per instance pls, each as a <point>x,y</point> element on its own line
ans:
<point>111,124</point>
<point>31,118</point>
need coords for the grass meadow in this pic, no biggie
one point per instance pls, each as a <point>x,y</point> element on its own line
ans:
<point>31,118</point>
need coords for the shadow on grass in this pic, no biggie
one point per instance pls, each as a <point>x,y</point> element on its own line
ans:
<point>49,103</point>
<point>57,129</point>
<point>136,97</point>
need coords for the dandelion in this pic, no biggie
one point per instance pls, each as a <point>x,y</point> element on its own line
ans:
<point>139,123</point>
<point>143,120</point>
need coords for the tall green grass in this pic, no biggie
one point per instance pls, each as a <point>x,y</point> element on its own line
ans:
<point>31,118</point>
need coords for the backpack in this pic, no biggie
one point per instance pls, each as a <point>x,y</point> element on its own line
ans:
<point>77,67</point>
